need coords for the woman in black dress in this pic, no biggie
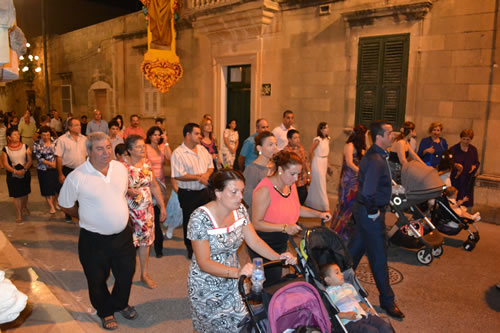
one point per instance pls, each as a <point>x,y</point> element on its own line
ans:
<point>16,159</point>
<point>44,150</point>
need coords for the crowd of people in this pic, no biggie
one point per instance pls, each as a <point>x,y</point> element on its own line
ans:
<point>218,206</point>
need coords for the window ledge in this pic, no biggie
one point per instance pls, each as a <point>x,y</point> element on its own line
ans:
<point>412,11</point>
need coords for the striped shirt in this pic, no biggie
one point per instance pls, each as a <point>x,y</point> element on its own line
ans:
<point>185,161</point>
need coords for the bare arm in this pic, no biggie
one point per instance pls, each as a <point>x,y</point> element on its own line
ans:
<point>261,200</point>
<point>348,152</point>
<point>73,211</point>
<point>414,155</point>
<point>168,153</point>
<point>156,191</point>
<point>257,244</point>
<point>314,145</point>
<point>201,249</point>
<point>308,212</point>
<point>173,181</point>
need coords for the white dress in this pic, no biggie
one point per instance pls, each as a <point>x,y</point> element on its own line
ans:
<point>317,197</point>
<point>228,156</point>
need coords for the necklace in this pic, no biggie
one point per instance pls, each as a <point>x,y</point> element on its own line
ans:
<point>14,147</point>
<point>281,193</point>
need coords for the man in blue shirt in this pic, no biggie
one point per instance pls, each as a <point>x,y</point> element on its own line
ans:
<point>374,194</point>
<point>248,153</point>
<point>97,124</point>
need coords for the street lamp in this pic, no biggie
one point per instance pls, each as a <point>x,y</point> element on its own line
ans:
<point>29,65</point>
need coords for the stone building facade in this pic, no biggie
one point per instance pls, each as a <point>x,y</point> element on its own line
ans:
<point>307,50</point>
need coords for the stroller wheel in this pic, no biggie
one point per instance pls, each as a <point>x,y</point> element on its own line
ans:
<point>469,246</point>
<point>424,257</point>
<point>438,251</point>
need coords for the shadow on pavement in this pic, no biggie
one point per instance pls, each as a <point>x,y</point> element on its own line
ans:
<point>492,297</point>
<point>56,245</point>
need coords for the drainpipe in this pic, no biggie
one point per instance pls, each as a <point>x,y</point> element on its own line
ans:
<point>493,65</point>
<point>46,60</point>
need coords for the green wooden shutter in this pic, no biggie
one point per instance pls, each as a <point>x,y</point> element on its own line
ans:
<point>382,78</point>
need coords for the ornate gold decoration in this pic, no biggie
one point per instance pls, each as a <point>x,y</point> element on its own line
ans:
<point>162,74</point>
<point>161,64</point>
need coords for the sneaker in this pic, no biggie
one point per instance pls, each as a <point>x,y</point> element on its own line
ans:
<point>476,217</point>
<point>68,219</point>
<point>169,233</point>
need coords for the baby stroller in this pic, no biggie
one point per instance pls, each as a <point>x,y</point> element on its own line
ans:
<point>448,222</point>
<point>323,246</point>
<point>420,183</point>
<point>284,306</point>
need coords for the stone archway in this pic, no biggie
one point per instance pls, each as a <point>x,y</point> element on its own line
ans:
<point>100,96</point>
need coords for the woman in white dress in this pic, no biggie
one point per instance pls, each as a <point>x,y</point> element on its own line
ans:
<point>229,144</point>
<point>317,197</point>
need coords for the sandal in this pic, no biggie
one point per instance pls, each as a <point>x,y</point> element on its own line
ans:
<point>109,323</point>
<point>129,313</point>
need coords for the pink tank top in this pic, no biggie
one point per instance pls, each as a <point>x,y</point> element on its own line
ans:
<point>281,210</point>
<point>156,161</point>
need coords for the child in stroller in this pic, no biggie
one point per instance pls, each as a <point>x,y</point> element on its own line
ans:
<point>355,315</point>
<point>451,195</point>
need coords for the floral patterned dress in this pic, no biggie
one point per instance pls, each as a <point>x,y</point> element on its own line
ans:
<point>216,304</point>
<point>141,208</point>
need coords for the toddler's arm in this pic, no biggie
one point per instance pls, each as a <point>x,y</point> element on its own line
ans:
<point>368,309</point>
<point>348,315</point>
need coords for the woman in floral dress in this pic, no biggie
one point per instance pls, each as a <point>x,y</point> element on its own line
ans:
<point>141,186</point>
<point>354,149</point>
<point>44,150</point>
<point>217,231</point>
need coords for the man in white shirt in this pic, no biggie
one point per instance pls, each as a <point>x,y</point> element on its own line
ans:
<point>56,123</point>
<point>71,152</point>
<point>105,242</point>
<point>281,131</point>
<point>191,166</point>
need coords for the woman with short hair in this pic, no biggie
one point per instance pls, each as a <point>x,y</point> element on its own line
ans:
<point>44,151</point>
<point>466,164</point>
<point>16,159</point>
<point>432,148</point>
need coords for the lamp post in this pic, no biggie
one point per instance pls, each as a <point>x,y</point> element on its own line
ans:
<point>29,68</point>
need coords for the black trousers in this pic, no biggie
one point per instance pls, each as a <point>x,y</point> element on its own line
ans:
<point>158,244</point>
<point>66,171</point>
<point>189,201</point>
<point>302,192</point>
<point>98,255</point>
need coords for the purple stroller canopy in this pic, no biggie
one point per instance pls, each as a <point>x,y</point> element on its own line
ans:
<point>297,304</point>
<point>418,177</point>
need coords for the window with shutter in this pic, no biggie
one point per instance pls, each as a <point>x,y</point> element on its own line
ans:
<point>66,98</point>
<point>382,79</point>
<point>151,104</point>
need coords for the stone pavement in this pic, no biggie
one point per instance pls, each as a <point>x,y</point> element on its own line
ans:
<point>454,294</point>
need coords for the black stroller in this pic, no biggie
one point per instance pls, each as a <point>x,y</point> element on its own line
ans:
<point>420,183</point>
<point>448,222</point>
<point>320,246</point>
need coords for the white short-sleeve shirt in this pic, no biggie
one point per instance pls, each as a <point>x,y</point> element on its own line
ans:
<point>280,134</point>
<point>102,205</point>
<point>185,161</point>
<point>73,153</point>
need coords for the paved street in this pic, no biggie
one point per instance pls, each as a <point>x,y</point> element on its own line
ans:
<point>454,294</point>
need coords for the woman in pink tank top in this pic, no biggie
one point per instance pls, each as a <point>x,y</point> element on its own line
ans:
<point>276,207</point>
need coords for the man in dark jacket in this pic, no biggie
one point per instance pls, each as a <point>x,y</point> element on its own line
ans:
<point>374,193</point>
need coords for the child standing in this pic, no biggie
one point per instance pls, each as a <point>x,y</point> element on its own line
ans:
<point>356,316</point>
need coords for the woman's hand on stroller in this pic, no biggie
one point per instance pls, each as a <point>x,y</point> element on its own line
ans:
<point>246,270</point>
<point>291,229</point>
<point>288,258</point>
<point>325,216</point>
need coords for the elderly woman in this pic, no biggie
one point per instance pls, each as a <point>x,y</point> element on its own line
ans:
<point>217,230</point>
<point>401,151</point>
<point>266,146</point>
<point>44,151</point>
<point>158,152</point>
<point>354,149</point>
<point>276,207</point>
<point>432,148</point>
<point>16,159</point>
<point>465,167</point>
<point>141,189</point>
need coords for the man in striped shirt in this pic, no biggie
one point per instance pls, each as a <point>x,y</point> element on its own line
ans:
<point>191,167</point>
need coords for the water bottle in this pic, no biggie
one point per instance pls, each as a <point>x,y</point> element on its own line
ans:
<point>258,276</point>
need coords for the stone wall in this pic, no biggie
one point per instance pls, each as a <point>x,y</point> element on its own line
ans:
<point>311,62</point>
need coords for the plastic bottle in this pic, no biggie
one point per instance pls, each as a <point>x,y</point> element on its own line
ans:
<point>258,276</point>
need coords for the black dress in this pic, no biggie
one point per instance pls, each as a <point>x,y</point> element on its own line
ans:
<point>18,187</point>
